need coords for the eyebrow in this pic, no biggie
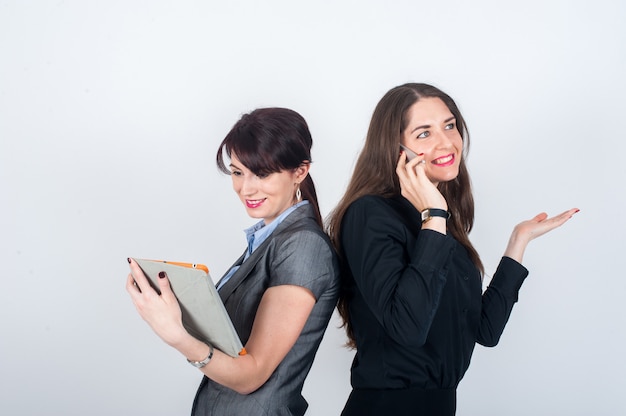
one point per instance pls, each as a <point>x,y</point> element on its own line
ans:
<point>425,126</point>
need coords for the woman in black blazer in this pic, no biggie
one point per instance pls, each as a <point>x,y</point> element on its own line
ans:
<point>281,292</point>
<point>412,298</point>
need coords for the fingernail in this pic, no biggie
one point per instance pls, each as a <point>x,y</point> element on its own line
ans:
<point>420,154</point>
<point>162,275</point>
<point>128,258</point>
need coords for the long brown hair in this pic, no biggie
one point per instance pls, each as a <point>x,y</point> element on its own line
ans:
<point>270,140</point>
<point>375,173</point>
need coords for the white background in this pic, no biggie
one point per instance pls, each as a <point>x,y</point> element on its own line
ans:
<point>110,116</point>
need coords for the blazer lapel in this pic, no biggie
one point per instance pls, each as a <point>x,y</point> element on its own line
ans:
<point>241,274</point>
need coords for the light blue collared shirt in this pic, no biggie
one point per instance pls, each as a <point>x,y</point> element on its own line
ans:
<point>257,234</point>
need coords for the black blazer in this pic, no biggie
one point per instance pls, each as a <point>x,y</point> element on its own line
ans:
<point>416,302</point>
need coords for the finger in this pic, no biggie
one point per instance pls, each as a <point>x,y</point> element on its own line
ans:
<point>412,167</point>
<point>416,160</point>
<point>402,170</point>
<point>164,286</point>
<point>417,169</point>
<point>131,285</point>
<point>420,160</point>
<point>139,277</point>
<point>401,163</point>
<point>565,216</point>
<point>406,177</point>
<point>403,157</point>
<point>545,225</point>
<point>404,165</point>
<point>570,212</point>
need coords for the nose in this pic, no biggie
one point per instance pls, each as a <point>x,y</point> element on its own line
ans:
<point>443,141</point>
<point>248,185</point>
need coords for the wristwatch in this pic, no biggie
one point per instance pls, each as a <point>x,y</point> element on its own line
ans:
<point>200,364</point>
<point>428,213</point>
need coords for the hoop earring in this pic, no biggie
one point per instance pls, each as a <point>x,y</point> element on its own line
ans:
<point>298,194</point>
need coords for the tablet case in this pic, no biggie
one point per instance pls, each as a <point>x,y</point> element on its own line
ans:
<point>204,314</point>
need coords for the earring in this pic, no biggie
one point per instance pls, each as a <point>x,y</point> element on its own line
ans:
<point>298,194</point>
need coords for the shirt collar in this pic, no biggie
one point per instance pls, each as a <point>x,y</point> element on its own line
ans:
<point>259,232</point>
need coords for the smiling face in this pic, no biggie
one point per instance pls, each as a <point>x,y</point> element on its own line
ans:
<point>268,196</point>
<point>431,129</point>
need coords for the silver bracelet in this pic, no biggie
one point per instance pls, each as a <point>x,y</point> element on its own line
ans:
<point>200,364</point>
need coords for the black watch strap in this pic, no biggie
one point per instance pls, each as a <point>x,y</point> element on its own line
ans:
<point>428,213</point>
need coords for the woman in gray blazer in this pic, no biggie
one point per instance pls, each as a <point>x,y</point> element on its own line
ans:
<point>281,292</point>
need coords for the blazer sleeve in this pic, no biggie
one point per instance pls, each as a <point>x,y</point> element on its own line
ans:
<point>400,276</point>
<point>303,258</point>
<point>498,300</point>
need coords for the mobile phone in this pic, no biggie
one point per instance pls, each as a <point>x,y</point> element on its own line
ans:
<point>410,154</point>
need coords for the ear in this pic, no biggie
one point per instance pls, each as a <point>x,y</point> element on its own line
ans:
<point>302,171</point>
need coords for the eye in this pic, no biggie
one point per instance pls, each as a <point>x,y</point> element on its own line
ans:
<point>235,172</point>
<point>263,175</point>
<point>423,135</point>
<point>450,126</point>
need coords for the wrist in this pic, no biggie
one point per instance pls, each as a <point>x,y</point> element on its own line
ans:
<point>438,224</point>
<point>178,338</point>
<point>204,361</point>
<point>516,247</point>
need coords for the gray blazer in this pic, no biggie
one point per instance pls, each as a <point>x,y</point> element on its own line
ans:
<point>296,253</point>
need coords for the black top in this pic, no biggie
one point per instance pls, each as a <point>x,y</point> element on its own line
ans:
<point>416,302</point>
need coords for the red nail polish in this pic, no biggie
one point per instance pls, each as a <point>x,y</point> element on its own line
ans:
<point>420,154</point>
<point>162,275</point>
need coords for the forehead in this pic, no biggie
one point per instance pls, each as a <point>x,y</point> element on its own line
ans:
<point>428,111</point>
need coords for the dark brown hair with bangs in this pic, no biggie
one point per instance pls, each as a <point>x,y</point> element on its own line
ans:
<point>270,140</point>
